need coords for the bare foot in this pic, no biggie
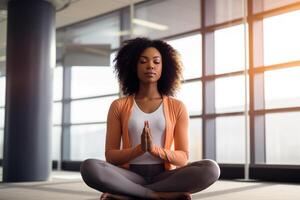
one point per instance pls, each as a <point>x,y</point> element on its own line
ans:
<point>108,196</point>
<point>174,195</point>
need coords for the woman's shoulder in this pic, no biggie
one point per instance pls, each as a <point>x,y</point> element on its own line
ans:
<point>178,107</point>
<point>175,101</point>
<point>119,102</point>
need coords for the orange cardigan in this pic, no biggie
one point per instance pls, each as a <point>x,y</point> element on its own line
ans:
<point>177,119</point>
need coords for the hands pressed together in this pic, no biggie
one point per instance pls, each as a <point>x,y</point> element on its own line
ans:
<point>146,138</point>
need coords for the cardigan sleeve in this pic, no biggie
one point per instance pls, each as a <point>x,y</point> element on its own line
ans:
<point>113,153</point>
<point>178,156</point>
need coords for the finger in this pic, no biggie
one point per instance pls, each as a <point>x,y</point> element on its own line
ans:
<point>149,136</point>
<point>148,124</point>
<point>146,142</point>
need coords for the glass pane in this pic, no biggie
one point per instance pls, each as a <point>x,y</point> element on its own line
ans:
<point>88,141</point>
<point>282,88</point>
<point>271,4</point>
<point>230,139</point>
<point>281,38</point>
<point>56,142</point>
<point>91,110</point>
<point>195,140</point>
<point>3,31</point>
<point>1,143</point>
<point>93,81</point>
<point>57,113</point>
<point>230,94</point>
<point>101,30</point>
<point>226,10</point>
<point>58,83</point>
<point>158,19</point>
<point>2,114</point>
<point>191,55</point>
<point>188,90</point>
<point>3,68</point>
<point>283,138</point>
<point>2,91</point>
<point>230,49</point>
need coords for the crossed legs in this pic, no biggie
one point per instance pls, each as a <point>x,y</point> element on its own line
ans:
<point>108,178</point>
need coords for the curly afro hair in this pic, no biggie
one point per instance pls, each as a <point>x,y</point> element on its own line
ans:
<point>126,62</point>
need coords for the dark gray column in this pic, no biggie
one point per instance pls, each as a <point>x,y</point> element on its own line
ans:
<point>30,62</point>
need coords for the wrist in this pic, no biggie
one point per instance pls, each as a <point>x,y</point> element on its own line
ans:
<point>140,149</point>
<point>151,149</point>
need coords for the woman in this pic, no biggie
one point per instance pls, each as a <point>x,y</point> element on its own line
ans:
<point>152,127</point>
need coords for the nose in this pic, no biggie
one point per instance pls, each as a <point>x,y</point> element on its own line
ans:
<point>150,65</point>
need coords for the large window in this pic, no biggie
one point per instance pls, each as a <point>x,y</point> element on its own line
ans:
<point>271,55</point>
<point>281,92</point>
<point>189,48</point>
<point>89,89</point>
<point>88,110</point>
<point>88,115</point>
<point>229,93</point>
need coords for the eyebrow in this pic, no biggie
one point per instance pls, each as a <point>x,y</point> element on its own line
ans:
<point>148,57</point>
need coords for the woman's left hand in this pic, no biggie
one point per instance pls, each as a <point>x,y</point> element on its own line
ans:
<point>149,137</point>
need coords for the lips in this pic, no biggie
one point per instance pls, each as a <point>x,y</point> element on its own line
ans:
<point>150,73</point>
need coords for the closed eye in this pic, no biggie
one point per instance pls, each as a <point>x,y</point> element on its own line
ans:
<point>143,61</point>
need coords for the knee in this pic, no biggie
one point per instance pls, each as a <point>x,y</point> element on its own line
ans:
<point>92,172</point>
<point>211,167</point>
<point>87,166</point>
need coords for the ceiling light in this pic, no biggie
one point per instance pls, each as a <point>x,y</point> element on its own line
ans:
<point>150,24</point>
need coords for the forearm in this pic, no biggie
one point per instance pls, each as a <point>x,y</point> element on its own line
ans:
<point>175,157</point>
<point>122,156</point>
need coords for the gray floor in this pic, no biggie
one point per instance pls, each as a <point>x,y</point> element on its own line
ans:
<point>68,185</point>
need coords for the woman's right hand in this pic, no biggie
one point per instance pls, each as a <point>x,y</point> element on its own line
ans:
<point>144,137</point>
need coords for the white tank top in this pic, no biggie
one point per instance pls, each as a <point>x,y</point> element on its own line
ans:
<point>157,123</point>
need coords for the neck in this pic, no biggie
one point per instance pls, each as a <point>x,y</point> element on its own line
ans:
<point>148,91</point>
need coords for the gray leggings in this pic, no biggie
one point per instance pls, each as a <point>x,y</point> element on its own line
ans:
<point>142,180</point>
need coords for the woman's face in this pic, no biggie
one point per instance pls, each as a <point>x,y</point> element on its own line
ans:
<point>149,66</point>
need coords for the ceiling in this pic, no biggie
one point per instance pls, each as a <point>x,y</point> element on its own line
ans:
<point>78,10</point>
